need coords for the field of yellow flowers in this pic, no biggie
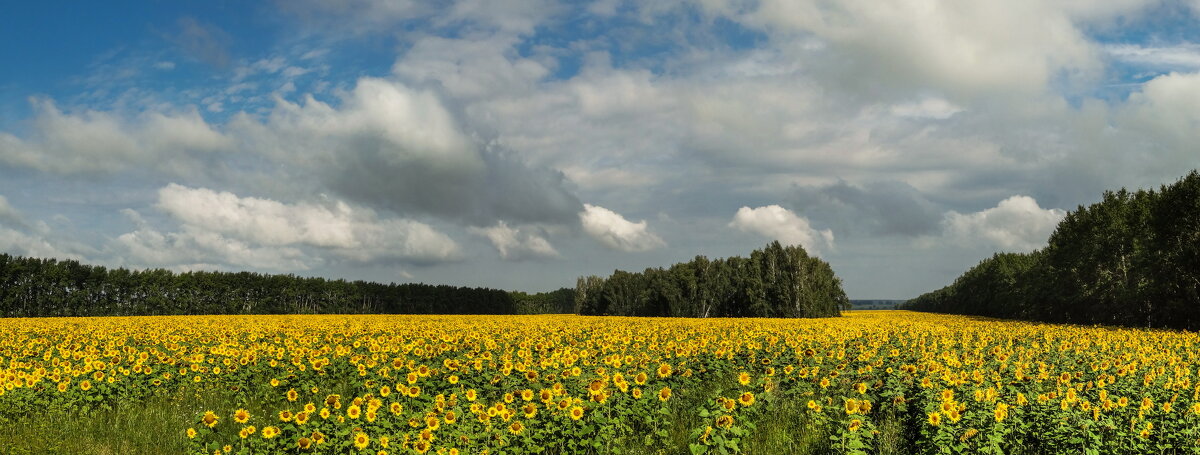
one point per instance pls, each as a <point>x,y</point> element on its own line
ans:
<point>868,382</point>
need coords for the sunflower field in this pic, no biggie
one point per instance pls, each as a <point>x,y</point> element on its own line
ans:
<point>868,382</point>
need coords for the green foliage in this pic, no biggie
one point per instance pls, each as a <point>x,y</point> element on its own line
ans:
<point>32,287</point>
<point>561,301</point>
<point>1131,259</point>
<point>775,281</point>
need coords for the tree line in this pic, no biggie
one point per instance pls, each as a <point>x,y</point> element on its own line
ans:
<point>1131,259</point>
<point>776,281</point>
<point>32,287</point>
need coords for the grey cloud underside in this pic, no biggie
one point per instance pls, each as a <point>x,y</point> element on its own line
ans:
<point>368,171</point>
<point>878,208</point>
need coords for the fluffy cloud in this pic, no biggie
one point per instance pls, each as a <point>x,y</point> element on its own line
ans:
<point>9,215</point>
<point>356,234</point>
<point>104,142</point>
<point>192,248</point>
<point>878,208</point>
<point>515,244</point>
<point>223,228</point>
<point>778,223</point>
<point>968,50</point>
<point>398,148</point>
<point>1015,224</point>
<point>20,237</point>
<point>614,231</point>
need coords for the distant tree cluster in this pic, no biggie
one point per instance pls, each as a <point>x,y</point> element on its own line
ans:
<point>31,287</point>
<point>1132,259</point>
<point>561,301</point>
<point>775,281</point>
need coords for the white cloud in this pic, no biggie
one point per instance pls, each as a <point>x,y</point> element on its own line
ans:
<point>1015,224</point>
<point>930,108</point>
<point>516,243</point>
<point>193,248</point>
<point>9,215</point>
<point>614,231</point>
<point>224,221</point>
<point>471,68</point>
<point>99,142</point>
<point>967,49</point>
<point>781,224</point>
<point>19,243</point>
<point>1182,57</point>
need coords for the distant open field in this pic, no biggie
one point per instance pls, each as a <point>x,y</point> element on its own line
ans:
<point>869,382</point>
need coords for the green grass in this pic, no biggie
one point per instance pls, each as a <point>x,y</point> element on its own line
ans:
<point>155,426</point>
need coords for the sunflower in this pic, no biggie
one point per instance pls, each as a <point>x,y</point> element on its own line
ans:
<point>529,410</point>
<point>302,418</point>
<point>855,424</point>
<point>292,395</point>
<point>935,419</point>
<point>304,443</point>
<point>191,433</point>
<point>744,378</point>
<point>385,391</point>
<point>85,385</point>
<point>576,413</point>
<point>640,379</point>
<point>664,394</point>
<point>241,416</point>
<point>421,446</point>
<point>746,399</point>
<point>353,411</point>
<point>361,440</point>
<point>450,417</point>
<point>724,421</point>
<point>209,419</point>
<point>728,403</point>
<point>664,370</point>
<point>286,416</point>
<point>270,432</point>
<point>516,428</point>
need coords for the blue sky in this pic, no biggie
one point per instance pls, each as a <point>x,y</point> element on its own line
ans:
<point>522,143</point>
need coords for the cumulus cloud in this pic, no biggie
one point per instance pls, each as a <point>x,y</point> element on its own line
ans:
<point>516,244</point>
<point>8,215</point>
<point>1015,224</point>
<point>21,237</point>
<point>878,208</point>
<point>969,50</point>
<point>402,149</point>
<point>356,234</point>
<point>105,142</point>
<point>778,223</point>
<point>614,231</point>
<point>193,248</point>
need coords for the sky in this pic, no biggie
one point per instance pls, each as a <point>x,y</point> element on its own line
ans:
<point>520,144</point>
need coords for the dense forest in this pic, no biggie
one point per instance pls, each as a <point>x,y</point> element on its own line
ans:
<point>775,281</point>
<point>1131,259</point>
<point>31,287</point>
